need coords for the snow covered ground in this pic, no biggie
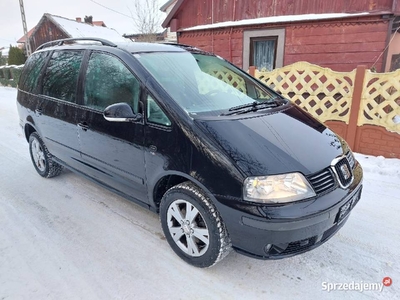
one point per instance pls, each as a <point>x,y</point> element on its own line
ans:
<point>67,238</point>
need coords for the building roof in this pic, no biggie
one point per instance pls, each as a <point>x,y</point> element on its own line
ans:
<point>4,51</point>
<point>277,19</point>
<point>172,13</point>
<point>75,29</point>
<point>22,39</point>
<point>166,5</point>
<point>99,23</point>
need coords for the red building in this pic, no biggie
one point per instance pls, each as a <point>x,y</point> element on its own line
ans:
<point>51,27</point>
<point>339,34</point>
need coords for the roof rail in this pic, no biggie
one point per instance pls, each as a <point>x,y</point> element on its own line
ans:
<point>62,41</point>
<point>189,48</point>
<point>183,46</point>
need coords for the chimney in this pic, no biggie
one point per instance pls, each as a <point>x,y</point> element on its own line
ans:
<point>79,19</point>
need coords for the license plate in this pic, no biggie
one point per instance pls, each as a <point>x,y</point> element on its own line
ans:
<point>346,208</point>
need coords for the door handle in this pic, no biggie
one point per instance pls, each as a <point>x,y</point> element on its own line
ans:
<point>38,111</point>
<point>84,126</point>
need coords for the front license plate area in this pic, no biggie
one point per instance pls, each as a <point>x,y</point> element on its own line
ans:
<point>347,207</point>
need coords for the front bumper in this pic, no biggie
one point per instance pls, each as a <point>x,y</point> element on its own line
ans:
<point>288,230</point>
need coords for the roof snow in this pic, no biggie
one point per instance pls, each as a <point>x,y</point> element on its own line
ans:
<point>77,30</point>
<point>277,19</point>
<point>4,51</point>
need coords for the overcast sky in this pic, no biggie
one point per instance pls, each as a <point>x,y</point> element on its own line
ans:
<point>11,24</point>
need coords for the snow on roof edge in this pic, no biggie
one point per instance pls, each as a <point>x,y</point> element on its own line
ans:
<point>276,19</point>
<point>76,29</point>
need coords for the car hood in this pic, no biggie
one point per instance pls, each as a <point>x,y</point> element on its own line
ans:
<point>286,141</point>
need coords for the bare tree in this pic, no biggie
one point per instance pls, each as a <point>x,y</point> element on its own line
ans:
<point>147,18</point>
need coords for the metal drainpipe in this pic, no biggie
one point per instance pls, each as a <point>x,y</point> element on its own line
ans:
<point>212,29</point>
<point>394,4</point>
<point>230,34</point>
<point>387,45</point>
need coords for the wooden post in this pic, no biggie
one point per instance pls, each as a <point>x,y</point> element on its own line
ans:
<point>252,71</point>
<point>355,106</point>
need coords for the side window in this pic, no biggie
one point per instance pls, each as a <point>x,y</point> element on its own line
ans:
<point>108,81</point>
<point>61,76</point>
<point>155,114</point>
<point>30,76</point>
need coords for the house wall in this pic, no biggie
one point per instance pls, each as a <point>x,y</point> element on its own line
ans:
<point>200,12</point>
<point>45,32</point>
<point>394,48</point>
<point>396,6</point>
<point>339,45</point>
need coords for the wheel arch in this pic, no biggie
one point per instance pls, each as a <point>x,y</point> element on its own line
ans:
<point>171,179</point>
<point>28,130</point>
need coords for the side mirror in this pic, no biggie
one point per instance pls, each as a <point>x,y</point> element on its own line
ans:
<point>120,112</point>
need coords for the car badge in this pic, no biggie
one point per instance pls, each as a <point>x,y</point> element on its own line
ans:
<point>345,171</point>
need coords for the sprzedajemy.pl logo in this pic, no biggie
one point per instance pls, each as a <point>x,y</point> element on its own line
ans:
<point>360,286</point>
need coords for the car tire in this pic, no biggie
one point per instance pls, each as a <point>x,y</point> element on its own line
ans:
<point>41,157</point>
<point>193,226</point>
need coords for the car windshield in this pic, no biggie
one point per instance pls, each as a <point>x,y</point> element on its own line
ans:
<point>204,84</point>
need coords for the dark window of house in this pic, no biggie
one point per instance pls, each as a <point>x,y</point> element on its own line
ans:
<point>61,76</point>
<point>29,78</point>
<point>109,81</point>
<point>395,63</point>
<point>263,53</point>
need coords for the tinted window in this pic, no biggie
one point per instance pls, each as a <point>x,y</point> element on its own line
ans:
<point>61,76</point>
<point>108,81</point>
<point>155,114</point>
<point>204,84</point>
<point>30,75</point>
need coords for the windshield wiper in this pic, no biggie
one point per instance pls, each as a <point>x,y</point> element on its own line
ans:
<point>250,107</point>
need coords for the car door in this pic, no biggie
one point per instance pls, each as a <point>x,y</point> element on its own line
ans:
<point>167,151</point>
<point>56,109</point>
<point>113,151</point>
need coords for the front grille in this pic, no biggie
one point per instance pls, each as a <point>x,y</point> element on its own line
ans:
<point>351,159</point>
<point>322,181</point>
<point>344,173</point>
<point>299,246</point>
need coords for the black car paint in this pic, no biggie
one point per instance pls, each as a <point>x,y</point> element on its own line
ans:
<point>217,154</point>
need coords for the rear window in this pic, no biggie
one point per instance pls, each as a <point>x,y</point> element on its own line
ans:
<point>61,76</point>
<point>31,73</point>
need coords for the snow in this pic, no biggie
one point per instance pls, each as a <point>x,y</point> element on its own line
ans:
<point>4,52</point>
<point>68,238</point>
<point>77,30</point>
<point>396,119</point>
<point>277,19</point>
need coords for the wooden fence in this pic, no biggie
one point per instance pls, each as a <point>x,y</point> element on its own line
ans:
<point>361,106</point>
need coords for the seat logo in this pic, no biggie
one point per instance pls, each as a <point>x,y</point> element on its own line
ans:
<point>345,171</point>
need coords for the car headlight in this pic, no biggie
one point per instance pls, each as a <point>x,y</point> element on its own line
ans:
<point>277,188</point>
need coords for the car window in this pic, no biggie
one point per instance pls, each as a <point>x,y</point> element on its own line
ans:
<point>61,76</point>
<point>30,75</point>
<point>155,114</point>
<point>204,84</point>
<point>109,81</point>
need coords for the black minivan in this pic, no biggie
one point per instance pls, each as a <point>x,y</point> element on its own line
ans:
<point>225,161</point>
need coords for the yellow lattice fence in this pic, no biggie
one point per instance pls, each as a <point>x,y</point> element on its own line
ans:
<point>380,100</point>
<point>324,93</point>
<point>206,83</point>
